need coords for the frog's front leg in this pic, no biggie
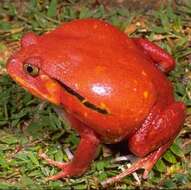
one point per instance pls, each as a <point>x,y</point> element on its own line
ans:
<point>85,153</point>
<point>153,138</point>
<point>162,59</point>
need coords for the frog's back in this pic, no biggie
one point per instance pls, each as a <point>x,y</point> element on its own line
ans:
<point>104,66</point>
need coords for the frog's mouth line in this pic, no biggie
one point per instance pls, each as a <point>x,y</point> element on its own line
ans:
<point>83,100</point>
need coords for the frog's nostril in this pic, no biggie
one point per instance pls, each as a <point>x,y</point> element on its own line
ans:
<point>11,61</point>
<point>11,65</point>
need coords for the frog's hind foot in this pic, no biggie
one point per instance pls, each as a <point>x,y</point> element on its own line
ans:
<point>145,163</point>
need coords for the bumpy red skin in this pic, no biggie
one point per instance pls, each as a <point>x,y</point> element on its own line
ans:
<point>121,75</point>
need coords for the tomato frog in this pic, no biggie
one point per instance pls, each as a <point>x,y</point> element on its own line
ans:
<point>111,88</point>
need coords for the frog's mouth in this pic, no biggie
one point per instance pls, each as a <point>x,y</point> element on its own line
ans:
<point>50,90</point>
<point>83,100</point>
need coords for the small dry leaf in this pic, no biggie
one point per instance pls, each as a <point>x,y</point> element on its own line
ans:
<point>142,22</point>
<point>8,49</point>
<point>106,151</point>
<point>189,60</point>
<point>69,153</point>
<point>137,23</point>
<point>187,32</point>
<point>170,42</point>
<point>130,29</point>
<point>174,169</point>
<point>4,52</point>
<point>158,37</point>
<point>120,1</point>
<point>16,30</point>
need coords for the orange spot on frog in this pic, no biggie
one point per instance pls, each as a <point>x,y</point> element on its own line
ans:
<point>145,94</point>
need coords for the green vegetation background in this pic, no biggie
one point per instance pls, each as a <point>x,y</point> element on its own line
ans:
<point>28,125</point>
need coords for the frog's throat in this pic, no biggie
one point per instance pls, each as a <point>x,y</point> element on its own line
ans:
<point>83,100</point>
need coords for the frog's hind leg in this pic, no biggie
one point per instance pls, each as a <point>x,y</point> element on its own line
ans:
<point>153,139</point>
<point>163,60</point>
<point>145,163</point>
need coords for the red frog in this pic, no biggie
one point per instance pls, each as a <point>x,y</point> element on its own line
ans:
<point>111,88</point>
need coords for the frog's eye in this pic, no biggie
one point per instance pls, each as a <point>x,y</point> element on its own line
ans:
<point>31,69</point>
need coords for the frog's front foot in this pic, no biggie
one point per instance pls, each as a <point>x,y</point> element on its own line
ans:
<point>52,162</point>
<point>67,168</point>
<point>83,156</point>
<point>60,165</point>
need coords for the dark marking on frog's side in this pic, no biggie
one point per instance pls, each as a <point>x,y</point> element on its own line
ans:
<point>83,100</point>
<point>94,107</point>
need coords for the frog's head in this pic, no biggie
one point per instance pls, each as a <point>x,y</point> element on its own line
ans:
<point>25,68</point>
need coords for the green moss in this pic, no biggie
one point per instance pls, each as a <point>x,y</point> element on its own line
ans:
<point>28,126</point>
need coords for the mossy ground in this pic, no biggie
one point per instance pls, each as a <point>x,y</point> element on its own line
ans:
<point>28,125</point>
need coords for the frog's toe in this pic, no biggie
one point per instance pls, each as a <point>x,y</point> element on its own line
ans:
<point>58,176</point>
<point>60,165</point>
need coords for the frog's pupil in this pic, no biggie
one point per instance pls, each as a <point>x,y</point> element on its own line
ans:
<point>29,69</point>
